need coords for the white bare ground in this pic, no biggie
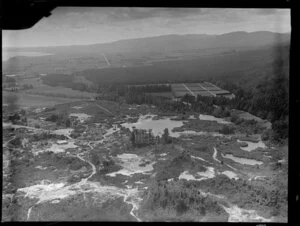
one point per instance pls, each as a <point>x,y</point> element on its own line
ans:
<point>209,173</point>
<point>237,214</point>
<point>242,160</point>
<point>252,145</point>
<point>231,167</point>
<point>77,107</point>
<point>81,116</point>
<point>41,168</point>
<point>230,174</point>
<point>205,194</point>
<point>57,148</point>
<point>28,213</point>
<point>131,165</point>
<point>66,132</point>
<point>54,192</point>
<point>202,159</point>
<point>256,177</point>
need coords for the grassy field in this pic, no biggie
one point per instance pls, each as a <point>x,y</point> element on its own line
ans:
<point>41,89</point>
<point>31,100</point>
<point>43,95</point>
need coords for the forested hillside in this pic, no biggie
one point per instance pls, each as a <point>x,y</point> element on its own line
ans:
<point>169,43</point>
<point>238,68</point>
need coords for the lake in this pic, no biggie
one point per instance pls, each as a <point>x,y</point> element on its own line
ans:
<point>252,145</point>
<point>146,122</point>
<point>157,126</point>
<point>9,54</point>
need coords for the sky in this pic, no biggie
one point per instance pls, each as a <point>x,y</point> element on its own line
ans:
<point>90,25</point>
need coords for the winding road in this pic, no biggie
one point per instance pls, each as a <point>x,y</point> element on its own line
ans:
<point>91,164</point>
<point>215,155</point>
<point>126,196</point>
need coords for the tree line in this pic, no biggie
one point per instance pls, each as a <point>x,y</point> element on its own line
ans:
<point>155,88</point>
<point>268,101</point>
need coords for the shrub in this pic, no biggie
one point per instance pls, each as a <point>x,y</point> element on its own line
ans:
<point>280,129</point>
<point>221,113</point>
<point>181,207</point>
<point>202,149</point>
<point>37,126</point>
<point>52,118</point>
<point>75,135</point>
<point>266,135</point>
<point>16,142</point>
<point>68,122</point>
<point>73,179</point>
<point>227,130</point>
<point>164,203</point>
<point>275,211</point>
<point>202,211</point>
<point>234,118</point>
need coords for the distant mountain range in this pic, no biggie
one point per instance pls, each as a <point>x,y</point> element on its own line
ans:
<point>167,43</point>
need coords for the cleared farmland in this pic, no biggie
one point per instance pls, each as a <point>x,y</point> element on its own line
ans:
<point>194,89</point>
<point>203,89</point>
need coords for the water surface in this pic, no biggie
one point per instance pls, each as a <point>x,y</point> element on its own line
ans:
<point>6,55</point>
<point>252,145</point>
<point>157,126</point>
<point>244,161</point>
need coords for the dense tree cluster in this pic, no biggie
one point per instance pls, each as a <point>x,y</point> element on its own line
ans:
<point>59,119</point>
<point>77,132</point>
<point>249,196</point>
<point>178,198</point>
<point>177,165</point>
<point>141,138</point>
<point>9,82</point>
<point>12,103</point>
<point>27,86</point>
<point>157,88</point>
<point>227,130</point>
<point>269,101</point>
<point>46,136</point>
<point>67,81</point>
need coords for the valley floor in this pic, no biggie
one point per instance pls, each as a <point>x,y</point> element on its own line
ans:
<point>98,175</point>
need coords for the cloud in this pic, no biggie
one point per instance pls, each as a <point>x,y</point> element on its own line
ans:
<point>132,13</point>
<point>136,17</point>
<point>105,24</point>
<point>120,14</point>
<point>115,16</point>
